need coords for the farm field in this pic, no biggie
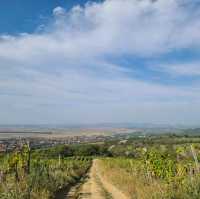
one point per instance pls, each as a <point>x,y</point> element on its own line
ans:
<point>154,167</point>
<point>156,173</point>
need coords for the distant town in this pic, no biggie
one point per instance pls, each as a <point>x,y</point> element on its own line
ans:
<point>11,140</point>
<point>14,138</point>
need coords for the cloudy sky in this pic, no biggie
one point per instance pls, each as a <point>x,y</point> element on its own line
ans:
<point>66,61</point>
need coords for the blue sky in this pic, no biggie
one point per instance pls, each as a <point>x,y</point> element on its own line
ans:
<point>26,15</point>
<point>66,62</point>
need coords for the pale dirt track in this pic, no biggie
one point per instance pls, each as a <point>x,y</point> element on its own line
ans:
<point>95,187</point>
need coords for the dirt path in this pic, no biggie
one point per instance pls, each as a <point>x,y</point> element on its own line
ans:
<point>95,187</point>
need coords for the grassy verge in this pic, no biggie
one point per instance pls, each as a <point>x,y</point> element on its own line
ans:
<point>129,176</point>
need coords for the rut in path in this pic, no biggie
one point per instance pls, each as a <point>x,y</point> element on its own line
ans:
<point>95,187</point>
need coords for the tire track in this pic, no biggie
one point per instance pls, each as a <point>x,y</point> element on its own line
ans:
<point>95,187</point>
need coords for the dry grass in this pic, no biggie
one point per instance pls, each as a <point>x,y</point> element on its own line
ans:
<point>134,185</point>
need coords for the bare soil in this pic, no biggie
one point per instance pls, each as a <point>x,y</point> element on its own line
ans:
<point>95,186</point>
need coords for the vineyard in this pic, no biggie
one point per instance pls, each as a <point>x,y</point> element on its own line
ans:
<point>28,175</point>
<point>162,171</point>
<point>151,168</point>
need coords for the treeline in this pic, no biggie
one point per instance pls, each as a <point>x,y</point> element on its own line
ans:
<point>73,150</point>
<point>127,148</point>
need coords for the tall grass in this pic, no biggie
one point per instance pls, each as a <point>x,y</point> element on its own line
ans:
<point>154,175</point>
<point>45,177</point>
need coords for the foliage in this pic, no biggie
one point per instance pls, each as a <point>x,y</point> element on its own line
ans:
<point>24,176</point>
<point>157,171</point>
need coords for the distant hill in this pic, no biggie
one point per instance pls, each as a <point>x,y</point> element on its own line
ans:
<point>194,131</point>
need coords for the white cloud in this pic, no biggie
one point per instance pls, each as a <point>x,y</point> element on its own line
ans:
<point>66,68</point>
<point>139,28</point>
<point>58,11</point>
<point>191,69</point>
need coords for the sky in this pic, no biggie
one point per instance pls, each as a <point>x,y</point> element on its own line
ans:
<point>120,61</point>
